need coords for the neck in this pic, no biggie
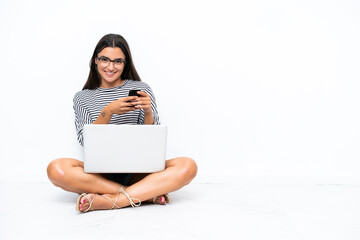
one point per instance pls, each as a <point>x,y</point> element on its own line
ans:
<point>116,83</point>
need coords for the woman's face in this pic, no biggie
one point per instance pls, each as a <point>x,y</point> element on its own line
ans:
<point>110,71</point>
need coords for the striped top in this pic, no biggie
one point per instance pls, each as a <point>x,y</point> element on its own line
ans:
<point>88,105</point>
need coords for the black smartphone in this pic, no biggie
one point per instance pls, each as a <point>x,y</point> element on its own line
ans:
<point>133,92</point>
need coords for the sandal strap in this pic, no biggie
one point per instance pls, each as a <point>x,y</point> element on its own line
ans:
<point>90,201</point>
<point>113,202</point>
<point>130,199</point>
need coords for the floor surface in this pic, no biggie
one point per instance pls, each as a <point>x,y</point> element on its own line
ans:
<point>39,210</point>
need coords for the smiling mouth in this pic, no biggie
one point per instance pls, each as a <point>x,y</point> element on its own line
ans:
<point>110,74</point>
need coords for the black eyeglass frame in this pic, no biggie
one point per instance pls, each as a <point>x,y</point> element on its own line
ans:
<point>106,58</point>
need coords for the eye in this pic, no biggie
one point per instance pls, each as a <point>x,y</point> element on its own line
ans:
<point>119,61</point>
<point>104,59</point>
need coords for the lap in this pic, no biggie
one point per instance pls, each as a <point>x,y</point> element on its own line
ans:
<point>124,179</point>
<point>65,164</point>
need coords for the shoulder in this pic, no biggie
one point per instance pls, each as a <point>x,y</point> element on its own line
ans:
<point>131,84</point>
<point>138,84</point>
<point>82,95</point>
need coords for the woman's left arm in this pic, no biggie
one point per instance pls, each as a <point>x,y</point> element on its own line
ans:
<point>144,102</point>
<point>149,118</point>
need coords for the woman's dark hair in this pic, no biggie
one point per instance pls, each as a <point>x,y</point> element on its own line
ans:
<point>111,40</point>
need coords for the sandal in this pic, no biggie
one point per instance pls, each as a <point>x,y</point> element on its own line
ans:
<point>78,201</point>
<point>90,202</point>
<point>167,199</point>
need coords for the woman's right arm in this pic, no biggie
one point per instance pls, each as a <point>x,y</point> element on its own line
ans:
<point>82,117</point>
<point>105,116</point>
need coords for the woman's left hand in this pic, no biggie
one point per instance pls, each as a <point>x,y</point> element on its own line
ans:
<point>143,102</point>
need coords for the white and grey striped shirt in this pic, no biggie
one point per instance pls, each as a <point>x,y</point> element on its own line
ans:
<point>88,105</point>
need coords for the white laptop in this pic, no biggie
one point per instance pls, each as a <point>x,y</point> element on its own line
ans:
<point>110,148</point>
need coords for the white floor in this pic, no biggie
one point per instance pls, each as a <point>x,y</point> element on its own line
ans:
<point>198,211</point>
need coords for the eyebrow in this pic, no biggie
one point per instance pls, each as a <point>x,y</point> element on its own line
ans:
<point>109,58</point>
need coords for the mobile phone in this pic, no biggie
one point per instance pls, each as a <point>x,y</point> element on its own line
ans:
<point>133,92</point>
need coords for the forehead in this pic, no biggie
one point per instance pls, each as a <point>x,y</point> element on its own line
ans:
<point>112,52</point>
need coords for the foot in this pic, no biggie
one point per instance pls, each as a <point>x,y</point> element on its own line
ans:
<point>90,202</point>
<point>158,200</point>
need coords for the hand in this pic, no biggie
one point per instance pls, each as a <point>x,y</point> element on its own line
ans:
<point>122,105</point>
<point>143,102</point>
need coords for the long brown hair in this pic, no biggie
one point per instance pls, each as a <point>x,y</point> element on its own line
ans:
<point>111,40</point>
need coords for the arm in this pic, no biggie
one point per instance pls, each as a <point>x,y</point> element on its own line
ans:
<point>147,104</point>
<point>149,118</point>
<point>105,116</point>
<point>119,106</point>
<point>82,117</point>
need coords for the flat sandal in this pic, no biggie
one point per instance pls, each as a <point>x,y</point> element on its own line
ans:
<point>120,190</point>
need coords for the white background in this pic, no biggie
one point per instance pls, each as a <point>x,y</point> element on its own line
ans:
<point>247,88</point>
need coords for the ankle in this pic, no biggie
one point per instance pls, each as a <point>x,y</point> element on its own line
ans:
<point>134,202</point>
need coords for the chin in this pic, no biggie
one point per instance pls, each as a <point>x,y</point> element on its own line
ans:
<point>111,81</point>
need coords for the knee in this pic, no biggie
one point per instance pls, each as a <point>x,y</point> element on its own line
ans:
<point>188,169</point>
<point>55,171</point>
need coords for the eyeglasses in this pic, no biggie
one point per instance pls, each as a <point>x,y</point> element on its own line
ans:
<point>106,61</point>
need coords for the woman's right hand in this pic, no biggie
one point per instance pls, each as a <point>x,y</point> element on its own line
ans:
<point>122,105</point>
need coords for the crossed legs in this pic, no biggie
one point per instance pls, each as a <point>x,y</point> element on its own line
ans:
<point>69,175</point>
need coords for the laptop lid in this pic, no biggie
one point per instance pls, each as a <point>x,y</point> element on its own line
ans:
<point>110,148</point>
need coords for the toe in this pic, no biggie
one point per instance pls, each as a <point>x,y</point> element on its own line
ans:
<point>84,207</point>
<point>84,204</point>
<point>160,200</point>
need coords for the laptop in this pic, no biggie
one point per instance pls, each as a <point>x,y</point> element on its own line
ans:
<point>110,148</point>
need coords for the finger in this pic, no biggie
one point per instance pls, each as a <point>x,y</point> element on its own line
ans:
<point>143,94</point>
<point>142,102</point>
<point>143,106</point>
<point>129,98</point>
<point>145,99</point>
<point>129,104</point>
<point>127,109</point>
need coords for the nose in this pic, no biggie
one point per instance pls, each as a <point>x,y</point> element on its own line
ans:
<point>111,66</point>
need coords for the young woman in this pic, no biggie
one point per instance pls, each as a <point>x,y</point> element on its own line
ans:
<point>104,100</point>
